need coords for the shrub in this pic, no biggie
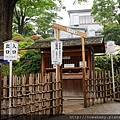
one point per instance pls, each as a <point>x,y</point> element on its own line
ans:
<point>35,37</point>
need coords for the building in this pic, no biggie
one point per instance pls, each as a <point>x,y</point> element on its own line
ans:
<point>71,68</point>
<point>82,20</point>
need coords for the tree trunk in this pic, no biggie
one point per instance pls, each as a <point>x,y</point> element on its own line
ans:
<point>21,24</point>
<point>6,16</point>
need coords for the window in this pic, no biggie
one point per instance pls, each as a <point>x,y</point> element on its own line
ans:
<point>86,19</point>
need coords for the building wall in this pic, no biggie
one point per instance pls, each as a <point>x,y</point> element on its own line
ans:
<point>82,20</point>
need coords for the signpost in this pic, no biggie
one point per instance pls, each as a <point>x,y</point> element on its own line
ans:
<point>111,49</point>
<point>56,52</point>
<point>10,54</point>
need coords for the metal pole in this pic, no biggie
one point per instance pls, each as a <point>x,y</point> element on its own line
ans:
<point>10,85</point>
<point>113,76</point>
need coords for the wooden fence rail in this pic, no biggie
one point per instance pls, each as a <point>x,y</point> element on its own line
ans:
<point>100,88</point>
<point>31,94</point>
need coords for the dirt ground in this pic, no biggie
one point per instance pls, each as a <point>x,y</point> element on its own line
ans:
<point>69,106</point>
<point>74,109</point>
<point>77,107</point>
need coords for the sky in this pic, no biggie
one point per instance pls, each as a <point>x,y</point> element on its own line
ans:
<point>69,6</point>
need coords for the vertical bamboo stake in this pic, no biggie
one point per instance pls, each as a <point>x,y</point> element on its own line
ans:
<point>92,85</point>
<point>51,95</point>
<point>30,90</point>
<point>84,71</point>
<point>54,93</point>
<point>14,94</point>
<point>110,85</point>
<point>5,94</point>
<point>0,90</point>
<point>104,91</point>
<point>23,93</point>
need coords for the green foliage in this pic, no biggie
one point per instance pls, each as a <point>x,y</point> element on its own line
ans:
<point>98,69</point>
<point>28,11</point>
<point>104,62</point>
<point>5,69</point>
<point>44,22</point>
<point>111,31</point>
<point>27,42</point>
<point>28,30</point>
<point>35,37</point>
<point>16,34</point>
<point>30,62</point>
<point>106,11</point>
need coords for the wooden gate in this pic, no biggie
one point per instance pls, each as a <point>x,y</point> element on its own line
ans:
<point>100,88</point>
<point>31,95</point>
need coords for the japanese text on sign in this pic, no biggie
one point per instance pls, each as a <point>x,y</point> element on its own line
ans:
<point>56,52</point>
<point>10,50</point>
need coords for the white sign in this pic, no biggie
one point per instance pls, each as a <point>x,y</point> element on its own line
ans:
<point>72,31</point>
<point>66,57</point>
<point>10,50</point>
<point>69,65</point>
<point>110,46</point>
<point>81,64</point>
<point>56,52</point>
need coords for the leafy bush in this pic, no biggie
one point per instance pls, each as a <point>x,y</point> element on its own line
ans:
<point>104,62</point>
<point>30,62</point>
<point>17,37</point>
<point>16,34</point>
<point>27,42</point>
<point>35,37</point>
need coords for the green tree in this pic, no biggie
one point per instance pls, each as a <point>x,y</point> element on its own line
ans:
<point>111,31</point>
<point>106,11</point>
<point>104,62</point>
<point>6,16</point>
<point>44,22</point>
<point>26,12</point>
<point>28,30</point>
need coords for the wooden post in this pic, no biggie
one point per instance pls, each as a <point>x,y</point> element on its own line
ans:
<point>58,75</point>
<point>0,90</point>
<point>84,72</point>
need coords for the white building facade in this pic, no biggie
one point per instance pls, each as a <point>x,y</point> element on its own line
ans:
<point>82,20</point>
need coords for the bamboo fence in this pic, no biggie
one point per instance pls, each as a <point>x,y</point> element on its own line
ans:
<point>31,94</point>
<point>100,88</point>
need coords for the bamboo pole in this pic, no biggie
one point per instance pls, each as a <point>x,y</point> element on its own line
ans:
<point>58,75</point>
<point>0,90</point>
<point>84,72</point>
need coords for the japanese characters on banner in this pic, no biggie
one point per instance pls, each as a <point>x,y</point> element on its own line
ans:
<point>10,50</point>
<point>56,52</point>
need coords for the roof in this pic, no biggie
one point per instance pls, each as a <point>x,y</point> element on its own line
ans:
<point>96,42</point>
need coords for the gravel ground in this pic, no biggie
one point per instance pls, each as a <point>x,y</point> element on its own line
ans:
<point>76,110</point>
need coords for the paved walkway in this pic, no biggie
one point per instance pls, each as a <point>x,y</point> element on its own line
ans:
<point>107,109</point>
